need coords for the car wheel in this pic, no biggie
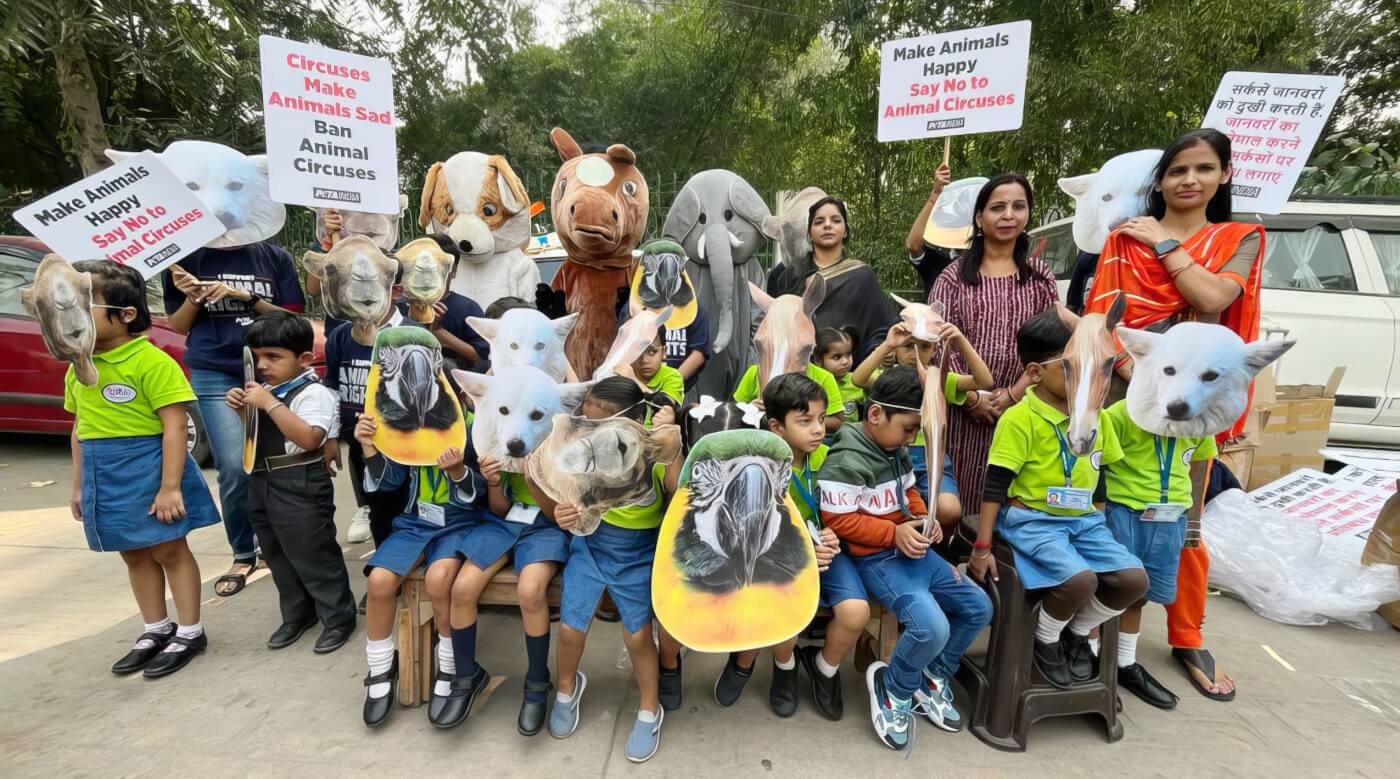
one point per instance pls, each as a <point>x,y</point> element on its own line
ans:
<point>197,440</point>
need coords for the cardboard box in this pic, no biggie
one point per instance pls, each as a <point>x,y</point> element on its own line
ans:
<point>1294,428</point>
<point>1383,548</point>
<point>1238,453</point>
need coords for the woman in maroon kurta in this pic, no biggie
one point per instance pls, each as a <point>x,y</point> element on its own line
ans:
<point>993,287</point>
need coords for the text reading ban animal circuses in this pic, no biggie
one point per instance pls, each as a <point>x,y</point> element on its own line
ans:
<point>333,107</point>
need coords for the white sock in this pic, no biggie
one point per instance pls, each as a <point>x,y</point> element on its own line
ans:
<point>1127,649</point>
<point>1094,646</point>
<point>560,697</point>
<point>163,626</point>
<point>1093,614</point>
<point>447,663</point>
<point>184,631</point>
<point>380,655</point>
<point>789,665</point>
<point>827,669</point>
<point>1048,629</point>
<point>647,716</point>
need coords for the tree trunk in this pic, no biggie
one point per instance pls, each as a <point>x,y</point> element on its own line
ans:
<point>78,90</point>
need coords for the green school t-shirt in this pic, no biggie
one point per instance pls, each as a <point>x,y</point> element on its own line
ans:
<point>134,380</point>
<point>643,517</point>
<point>814,462</point>
<point>669,381</point>
<point>1136,480</point>
<point>851,397</point>
<point>747,391</point>
<point>1025,443</point>
<point>516,490</point>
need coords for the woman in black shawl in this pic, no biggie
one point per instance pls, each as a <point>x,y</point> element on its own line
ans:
<point>854,298</point>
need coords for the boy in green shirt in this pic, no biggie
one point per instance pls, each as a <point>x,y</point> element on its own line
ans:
<point>1039,498</point>
<point>651,369</point>
<point>747,392</point>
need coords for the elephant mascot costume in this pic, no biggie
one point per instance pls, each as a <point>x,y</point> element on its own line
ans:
<point>718,218</point>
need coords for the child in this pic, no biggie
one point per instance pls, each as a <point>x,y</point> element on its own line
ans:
<point>462,346</point>
<point>290,497</point>
<point>616,558</point>
<point>1064,548</point>
<point>651,370</point>
<point>795,409</point>
<point>747,392</point>
<point>440,502</point>
<point>958,390</point>
<point>502,305</point>
<point>135,489</point>
<point>833,353</point>
<point>1149,494</point>
<point>515,526</point>
<point>868,499</point>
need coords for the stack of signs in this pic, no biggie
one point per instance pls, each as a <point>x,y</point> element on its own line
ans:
<point>1344,506</point>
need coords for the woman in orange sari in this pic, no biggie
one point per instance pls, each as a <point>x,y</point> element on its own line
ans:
<point>1186,260</point>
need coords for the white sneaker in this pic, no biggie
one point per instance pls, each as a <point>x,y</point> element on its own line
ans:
<point>359,526</point>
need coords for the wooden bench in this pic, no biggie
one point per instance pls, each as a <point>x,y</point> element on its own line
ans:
<point>416,629</point>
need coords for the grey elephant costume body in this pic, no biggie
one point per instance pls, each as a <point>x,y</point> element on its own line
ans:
<point>717,217</point>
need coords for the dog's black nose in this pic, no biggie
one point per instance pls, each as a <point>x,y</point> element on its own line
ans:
<point>1178,410</point>
<point>516,447</point>
<point>465,246</point>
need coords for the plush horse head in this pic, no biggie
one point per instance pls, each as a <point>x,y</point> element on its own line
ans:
<point>787,336</point>
<point>61,302</point>
<point>599,203</point>
<point>633,338</point>
<point>1088,363</point>
<point>924,320</point>
<point>426,269</point>
<point>357,280</point>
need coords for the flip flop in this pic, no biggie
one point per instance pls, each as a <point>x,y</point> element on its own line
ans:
<point>238,580</point>
<point>1201,660</point>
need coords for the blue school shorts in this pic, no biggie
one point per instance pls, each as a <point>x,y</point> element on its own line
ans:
<point>1156,544</point>
<point>612,559</point>
<point>413,538</point>
<point>948,483</point>
<point>841,581</point>
<point>1049,549</point>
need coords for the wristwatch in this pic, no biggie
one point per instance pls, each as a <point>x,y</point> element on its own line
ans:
<point>1166,247</point>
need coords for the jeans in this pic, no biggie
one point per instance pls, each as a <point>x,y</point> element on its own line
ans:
<point>225,429</point>
<point>941,611</point>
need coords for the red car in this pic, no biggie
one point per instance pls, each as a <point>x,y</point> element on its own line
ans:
<point>31,380</point>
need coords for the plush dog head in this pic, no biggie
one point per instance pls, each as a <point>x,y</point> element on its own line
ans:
<point>599,203</point>
<point>602,464</point>
<point>633,338</point>
<point>1192,380</point>
<point>61,302</point>
<point>232,184</point>
<point>924,320</point>
<point>357,283</point>
<point>426,269</point>
<point>383,229</point>
<point>524,336</point>
<point>787,336</point>
<point>479,202</point>
<point>1106,198</point>
<point>515,410</point>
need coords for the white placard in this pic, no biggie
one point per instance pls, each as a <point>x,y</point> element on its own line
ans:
<point>955,83</point>
<point>1273,120</point>
<point>137,213</point>
<point>330,127</point>
<point>1344,506</point>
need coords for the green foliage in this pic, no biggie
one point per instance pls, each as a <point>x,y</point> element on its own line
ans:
<point>1347,166</point>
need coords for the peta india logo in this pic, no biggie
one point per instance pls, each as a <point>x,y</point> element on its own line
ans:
<point>119,393</point>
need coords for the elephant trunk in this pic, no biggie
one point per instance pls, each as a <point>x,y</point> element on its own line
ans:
<point>716,251</point>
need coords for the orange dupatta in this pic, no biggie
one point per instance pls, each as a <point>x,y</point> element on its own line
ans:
<point>1131,267</point>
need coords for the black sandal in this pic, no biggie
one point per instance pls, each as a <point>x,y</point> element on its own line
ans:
<point>238,580</point>
<point>1201,660</point>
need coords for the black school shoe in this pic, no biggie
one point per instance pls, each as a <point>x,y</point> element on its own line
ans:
<point>669,688</point>
<point>1079,657</point>
<point>826,691</point>
<point>782,691</point>
<point>435,701</point>
<point>532,713</point>
<point>1136,680</point>
<point>377,710</point>
<point>288,633</point>
<point>333,638</point>
<point>139,656</point>
<point>730,684</point>
<point>459,702</point>
<point>1050,660</point>
<point>171,660</point>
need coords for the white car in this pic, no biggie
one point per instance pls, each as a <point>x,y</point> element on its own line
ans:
<point>1331,281</point>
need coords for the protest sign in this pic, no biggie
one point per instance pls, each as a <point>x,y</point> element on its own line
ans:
<point>1343,506</point>
<point>329,117</point>
<point>1273,120</point>
<point>956,83</point>
<point>137,213</point>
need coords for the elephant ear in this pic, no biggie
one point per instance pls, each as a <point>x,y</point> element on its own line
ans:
<point>772,227</point>
<point>683,216</point>
<point>748,203</point>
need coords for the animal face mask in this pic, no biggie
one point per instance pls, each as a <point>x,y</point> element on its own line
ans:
<point>409,397</point>
<point>524,336</point>
<point>599,203</point>
<point>1088,364</point>
<point>633,338</point>
<point>950,223</point>
<point>1192,380</point>
<point>382,229</point>
<point>357,283</point>
<point>786,337</point>
<point>599,465</point>
<point>61,301</point>
<point>515,410</point>
<point>426,269</point>
<point>660,281</point>
<point>924,320</point>
<point>479,202</point>
<point>1105,199</point>
<point>789,226</point>
<point>232,184</point>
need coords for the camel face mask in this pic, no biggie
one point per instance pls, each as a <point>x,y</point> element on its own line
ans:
<point>61,301</point>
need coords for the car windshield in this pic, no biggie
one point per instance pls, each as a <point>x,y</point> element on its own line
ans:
<point>16,272</point>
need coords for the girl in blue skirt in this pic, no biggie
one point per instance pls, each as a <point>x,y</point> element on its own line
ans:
<point>135,488</point>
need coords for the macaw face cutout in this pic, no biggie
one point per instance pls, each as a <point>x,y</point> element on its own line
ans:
<point>357,283</point>
<point>61,302</point>
<point>950,224</point>
<point>417,412</point>
<point>660,281</point>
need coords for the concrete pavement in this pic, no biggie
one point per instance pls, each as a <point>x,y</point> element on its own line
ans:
<point>1313,701</point>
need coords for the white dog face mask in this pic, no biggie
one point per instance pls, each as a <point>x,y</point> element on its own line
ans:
<point>232,184</point>
<point>515,410</point>
<point>1111,195</point>
<point>1192,380</point>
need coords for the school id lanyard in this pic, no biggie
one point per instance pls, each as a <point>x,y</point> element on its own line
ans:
<point>284,389</point>
<point>1164,462</point>
<point>807,490</point>
<point>436,482</point>
<point>1067,459</point>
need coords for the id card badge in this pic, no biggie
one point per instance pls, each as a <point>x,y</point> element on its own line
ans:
<point>1163,512</point>
<point>1069,498</point>
<point>522,514</point>
<point>433,514</point>
<point>814,533</point>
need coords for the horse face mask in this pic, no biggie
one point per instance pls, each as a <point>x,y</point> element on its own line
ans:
<point>61,301</point>
<point>787,336</point>
<point>1088,364</point>
<point>357,283</point>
